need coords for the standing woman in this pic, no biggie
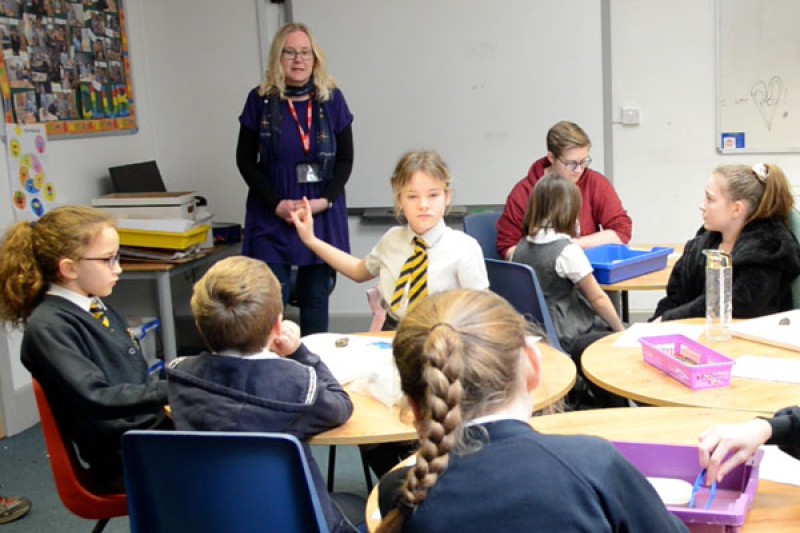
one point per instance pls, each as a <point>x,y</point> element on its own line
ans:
<point>295,141</point>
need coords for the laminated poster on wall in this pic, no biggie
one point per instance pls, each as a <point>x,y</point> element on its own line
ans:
<point>31,185</point>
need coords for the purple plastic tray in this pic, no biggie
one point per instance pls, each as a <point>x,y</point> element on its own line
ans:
<point>734,496</point>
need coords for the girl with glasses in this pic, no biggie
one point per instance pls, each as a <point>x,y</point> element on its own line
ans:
<point>603,220</point>
<point>52,278</point>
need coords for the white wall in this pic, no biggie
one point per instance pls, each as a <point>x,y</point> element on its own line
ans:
<point>667,70</point>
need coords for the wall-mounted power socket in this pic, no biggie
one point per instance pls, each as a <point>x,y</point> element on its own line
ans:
<point>630,116</point>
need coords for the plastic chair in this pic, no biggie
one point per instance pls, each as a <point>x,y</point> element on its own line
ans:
<point>483,227</point>
<point>794,227</point>
<point>69,475</point>
<point>518,284</point>
<point>378,312</point>
<point>208,481</point>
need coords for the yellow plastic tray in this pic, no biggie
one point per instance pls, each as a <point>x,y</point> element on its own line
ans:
<point>163,239</point>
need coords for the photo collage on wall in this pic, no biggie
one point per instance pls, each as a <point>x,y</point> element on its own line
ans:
<point>65,64</point>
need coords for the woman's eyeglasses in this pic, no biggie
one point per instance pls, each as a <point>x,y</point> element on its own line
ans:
<point>305,55</point>
<point>572,166</point>
<point>111,261</point>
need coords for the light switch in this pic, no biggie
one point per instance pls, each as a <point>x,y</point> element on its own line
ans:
<point>630,116</point>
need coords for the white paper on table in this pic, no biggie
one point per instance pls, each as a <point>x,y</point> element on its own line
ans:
<point>764,368</point>
<point>779,467</point>
<point>346,363</point>
<point>630,339</point>
<point>365,364</point>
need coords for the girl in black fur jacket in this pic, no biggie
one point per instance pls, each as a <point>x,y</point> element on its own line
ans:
<point>745,211</point>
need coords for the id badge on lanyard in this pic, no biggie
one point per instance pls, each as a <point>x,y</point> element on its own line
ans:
<point>306,172</point>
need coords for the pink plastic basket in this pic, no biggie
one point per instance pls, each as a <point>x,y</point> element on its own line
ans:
<point>687,361</point>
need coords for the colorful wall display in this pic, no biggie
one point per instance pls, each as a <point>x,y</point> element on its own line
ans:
<point>33,192</point>
<point>65,64</point>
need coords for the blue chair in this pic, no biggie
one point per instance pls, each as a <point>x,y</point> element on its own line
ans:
<point>219,481</point>
<point>483,227</point>
<point>518,284</point>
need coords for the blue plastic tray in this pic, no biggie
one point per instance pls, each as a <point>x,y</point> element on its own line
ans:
<point>613,263</point>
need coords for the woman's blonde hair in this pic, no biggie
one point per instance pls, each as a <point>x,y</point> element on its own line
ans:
<point>767,192</point>
<point>274,80</point>
<point>458,354</point>
<point>564,136</point>
<point>32,251</point>
<point>427,161</point>
<point>236,304</point>
<point>555,203</point>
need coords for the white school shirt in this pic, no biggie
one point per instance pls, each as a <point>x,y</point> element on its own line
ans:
<point>78,299</point>
<point>572,263</point>
<point>455,261</point>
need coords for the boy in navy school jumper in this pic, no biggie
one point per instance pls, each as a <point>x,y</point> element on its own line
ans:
<point>468,366</point>
<point>259,376</point>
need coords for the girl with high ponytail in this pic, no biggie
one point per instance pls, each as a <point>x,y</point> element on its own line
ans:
<point>745,212</point>
<point>468,364</point>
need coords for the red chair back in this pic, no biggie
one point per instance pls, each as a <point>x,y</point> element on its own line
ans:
<point>67,471</point>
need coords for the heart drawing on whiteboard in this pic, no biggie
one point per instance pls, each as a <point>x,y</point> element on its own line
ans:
<point>766,96</point>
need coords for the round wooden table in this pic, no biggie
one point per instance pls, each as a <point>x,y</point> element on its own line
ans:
<point>776,508</point>
<point>373,422</point>
<point>624,372</point>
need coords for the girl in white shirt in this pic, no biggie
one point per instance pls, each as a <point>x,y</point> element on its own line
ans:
<point>581,312</point>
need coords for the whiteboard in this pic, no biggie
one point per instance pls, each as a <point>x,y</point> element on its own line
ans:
<point>758,78</point>
<point>480,82</point>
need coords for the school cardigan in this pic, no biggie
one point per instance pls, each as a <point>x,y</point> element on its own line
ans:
<point>522,480</point>
<point>766,259</point>
<point>296,395</point>
<point>95,379</point>
<point>601,208</point>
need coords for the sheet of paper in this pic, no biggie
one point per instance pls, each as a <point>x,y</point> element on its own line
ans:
<point>359,354</point>
<point>779,329</point>
<point>764,368</point>
<point>779,467</point>
<point>630,339</point>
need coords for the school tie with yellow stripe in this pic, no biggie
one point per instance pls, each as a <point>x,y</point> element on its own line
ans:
<point>413,278</point>
<point>99,312</point>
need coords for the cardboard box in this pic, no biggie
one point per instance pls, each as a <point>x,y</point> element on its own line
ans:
<point>158,205</point>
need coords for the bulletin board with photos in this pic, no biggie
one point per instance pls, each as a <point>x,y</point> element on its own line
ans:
<point>65,64</point>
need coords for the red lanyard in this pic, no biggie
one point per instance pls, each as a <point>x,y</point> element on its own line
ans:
<point>305,137</point>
